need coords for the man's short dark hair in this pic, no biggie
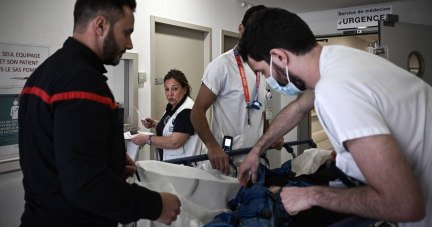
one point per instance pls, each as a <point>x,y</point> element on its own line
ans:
<point>87,10</point>
<point>275,28</point>
<point>249,12</point>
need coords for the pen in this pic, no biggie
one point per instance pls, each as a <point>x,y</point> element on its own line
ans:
<point>137,176</point>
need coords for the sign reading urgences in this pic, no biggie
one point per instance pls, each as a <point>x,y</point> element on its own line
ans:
<point>362,18</point>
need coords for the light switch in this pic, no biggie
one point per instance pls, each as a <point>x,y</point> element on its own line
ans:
<point>141,77</point>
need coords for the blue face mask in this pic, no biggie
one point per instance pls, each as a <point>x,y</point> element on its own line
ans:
<point>289,89</point>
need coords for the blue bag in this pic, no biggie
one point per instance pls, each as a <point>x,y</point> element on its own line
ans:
<point>258,205</point>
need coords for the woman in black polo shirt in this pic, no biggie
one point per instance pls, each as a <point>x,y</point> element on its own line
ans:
<point>175,135</point>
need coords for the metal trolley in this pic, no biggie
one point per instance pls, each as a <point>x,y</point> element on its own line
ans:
<point>190,161</point>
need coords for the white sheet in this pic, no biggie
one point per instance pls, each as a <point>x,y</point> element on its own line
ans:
<point>203,195</point>
<point>309,161</point>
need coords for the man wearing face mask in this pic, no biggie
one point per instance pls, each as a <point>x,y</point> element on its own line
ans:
<point>377,116</point>
<point>237,94</point>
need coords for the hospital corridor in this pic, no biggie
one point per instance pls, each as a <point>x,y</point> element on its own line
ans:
<point>215,113</point>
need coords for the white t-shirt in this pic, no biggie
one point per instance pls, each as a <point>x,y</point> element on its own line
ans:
<point>222,77</point>
<point>359,95</point>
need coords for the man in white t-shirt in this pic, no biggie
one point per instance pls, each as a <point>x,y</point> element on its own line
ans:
<point>222,86</point>
<point>377,116</point>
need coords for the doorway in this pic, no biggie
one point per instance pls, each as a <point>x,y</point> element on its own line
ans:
<point>228,40</point>
<point>176,45</point>
<point>122,82</point>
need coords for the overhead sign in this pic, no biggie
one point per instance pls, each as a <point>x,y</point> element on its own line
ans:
<point>362,18</point>
<point>18,62</point>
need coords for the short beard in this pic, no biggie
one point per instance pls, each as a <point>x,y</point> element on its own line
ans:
<point>293,78</point>
<point>110,49</point>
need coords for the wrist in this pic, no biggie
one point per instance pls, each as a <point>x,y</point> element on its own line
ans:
<point>148,141</point>
<point>213,145</point>
<point>313,195</point>
<point>258,148</point>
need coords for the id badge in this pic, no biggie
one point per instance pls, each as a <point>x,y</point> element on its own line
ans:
<point>269,114</point>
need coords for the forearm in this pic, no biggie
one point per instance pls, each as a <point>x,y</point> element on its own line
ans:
<point>284,122</point>
<point>122,202</point>
<point>89,177</point>
<point>166,142</point>
<point>364,201</point>
<point>201,126</point>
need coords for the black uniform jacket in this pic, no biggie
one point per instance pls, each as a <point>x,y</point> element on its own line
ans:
<point>72,150</point>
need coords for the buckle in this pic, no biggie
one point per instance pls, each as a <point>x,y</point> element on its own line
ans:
<point>273,196</point>
<point>232,220</point>
<point>264,213</point>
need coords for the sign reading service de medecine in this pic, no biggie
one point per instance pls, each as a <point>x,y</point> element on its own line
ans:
<point>362,18</point>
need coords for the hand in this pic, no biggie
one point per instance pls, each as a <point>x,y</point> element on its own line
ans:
<point>295,199</point>
<point>250,163</point>
<point>170,208</point>
<point>149,122</point>
<point>140,140</point>
<point>219,159</point>
<point>278,144</point>
<point>131,168</point>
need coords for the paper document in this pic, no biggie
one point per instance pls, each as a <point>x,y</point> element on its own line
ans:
<point>139,113</point>
<point>128,135</point>
<point>132,150</point>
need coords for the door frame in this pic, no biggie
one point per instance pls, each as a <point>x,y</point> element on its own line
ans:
<point>224,33</point>
<point>207,47</point>
<point>154,20</point>
<point>132,84</point>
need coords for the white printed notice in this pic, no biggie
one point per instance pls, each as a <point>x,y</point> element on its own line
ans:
<point>9,106</point>
<point>362,18</point>
<point>18,62</point>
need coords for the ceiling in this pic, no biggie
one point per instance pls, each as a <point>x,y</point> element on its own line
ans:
<point>303,6</point>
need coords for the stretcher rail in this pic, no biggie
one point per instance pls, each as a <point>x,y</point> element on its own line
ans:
<point>198,158</point>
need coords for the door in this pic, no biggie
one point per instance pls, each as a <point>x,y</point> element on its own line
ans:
<point>405,38</point>
<point>177,48</point>
<point>181,46</point>
<point>228,40</point>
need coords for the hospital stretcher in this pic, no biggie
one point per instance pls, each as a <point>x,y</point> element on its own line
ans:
<point>188,161</point>
<point>354,221</point>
